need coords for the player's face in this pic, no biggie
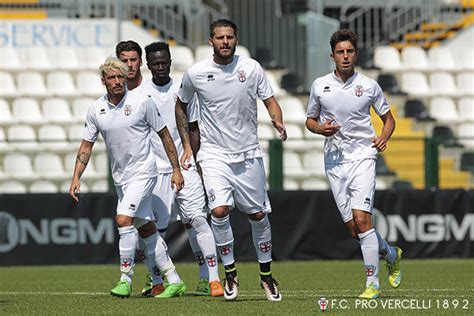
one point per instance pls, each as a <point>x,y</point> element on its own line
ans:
<point>224,43</point>
<point>159,63</point>
<point>133,61</point>
<point>344,57</point>
<point>115,82</point>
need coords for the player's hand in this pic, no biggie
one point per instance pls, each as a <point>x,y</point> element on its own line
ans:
<point>281,129</point>
<point>177,181</point>
<point>75,189</point>
<point>185,160</point>
<point>379,143</point>
<point>329,128</point>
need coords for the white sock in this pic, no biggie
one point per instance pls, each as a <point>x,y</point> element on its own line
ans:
<point>207,244</point>
<point>203,270</point>
<point>385,250</point>
<point>224,239</point>
<point>370,252</point>
<point>262,239</point>
<point>156,248</point>
<point>150,263</point>
<point>127,246</point>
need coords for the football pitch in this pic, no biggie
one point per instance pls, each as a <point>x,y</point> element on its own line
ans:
<point>430,287</point>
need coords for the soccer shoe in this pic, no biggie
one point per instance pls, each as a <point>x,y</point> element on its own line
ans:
<point>148,285</point>
<point>173,290</point>
<point>203,288</point>
<point>157,289</point>
<point>231,287</point>
<point>122,290</point>
<point>371,292</point>
<point>216,289</point>
<point>271,289</point>
<point>393,269</point>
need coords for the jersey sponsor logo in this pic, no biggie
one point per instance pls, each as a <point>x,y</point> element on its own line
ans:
<point>327,89</point>
<point>210,77</point>
<point>127,110</point>
<point>359,90</point>
<point>211,195</point>
<point>265,246</point>
<point>242,76</point>
<point>370,270</point>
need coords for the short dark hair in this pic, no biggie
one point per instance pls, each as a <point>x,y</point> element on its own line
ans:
<point>126,46</point>
<point>341,36</point>
<point>222,23</point>
<point>157,46</point>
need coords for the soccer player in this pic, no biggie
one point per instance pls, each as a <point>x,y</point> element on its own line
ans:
<point>125,121</point>
<point>163,199</point>
<point>339,108</point>
<point>230,156</point>
<point>190,202</point>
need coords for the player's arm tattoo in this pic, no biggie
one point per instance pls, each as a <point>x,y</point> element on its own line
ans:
<point>83,158</point>
<point>182,122</point>
<point>169,146</point>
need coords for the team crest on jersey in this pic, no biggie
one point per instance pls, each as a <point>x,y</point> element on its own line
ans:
<point>242,75</point>
<point>127,110</point>
<point>359,90</point>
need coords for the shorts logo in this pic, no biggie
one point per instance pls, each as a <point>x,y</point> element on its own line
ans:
<point>367,201</point>
<point>132,207</point>
<point>265,246</point>
<point>370,270</point>
<point>199,258</point>
<point>224,250</point>
<point>242,76</point>
<point>359,90</point>
<point>127,110</point>
<point>211,195</point>
<point>211,260</point>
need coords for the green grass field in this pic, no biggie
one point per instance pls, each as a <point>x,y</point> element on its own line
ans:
<point>430,287</point>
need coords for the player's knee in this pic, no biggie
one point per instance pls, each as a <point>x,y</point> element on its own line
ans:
<point>187,226</point>
<point>362,223</point>
<point>257,216</point>
<point>123,220</point>
<point>147,230</point>
<point>220,211</point>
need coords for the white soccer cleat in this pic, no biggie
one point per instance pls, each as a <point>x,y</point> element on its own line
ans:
<point>271,289</point>
<point>231,287</point>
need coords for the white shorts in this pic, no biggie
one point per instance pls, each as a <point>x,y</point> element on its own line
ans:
<point>170,207</point>
<point>134,199</point>
<point>241,184</point>
<point>352,185</point>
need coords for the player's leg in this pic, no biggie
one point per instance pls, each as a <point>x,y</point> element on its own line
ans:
<point>251,198</point>
<point>203,288</point>
<point>217,176</point>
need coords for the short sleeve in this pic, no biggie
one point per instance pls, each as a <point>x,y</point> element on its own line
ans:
<point>91,130</point>
<point>186,91</point>
<point>264,88</point>
<point>193,110</point>
<point>153,116</point>
<point>314,107</point>
<point>379,102</point>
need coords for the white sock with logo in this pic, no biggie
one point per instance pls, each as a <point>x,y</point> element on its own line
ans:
<point>385,250</point>
<point>203,270</point>
<point>262,239</point>
<point>370,252</point>
<point>206,242</point>
<point>127,246</point>
<point>157,249</point>
<point>224,239</point>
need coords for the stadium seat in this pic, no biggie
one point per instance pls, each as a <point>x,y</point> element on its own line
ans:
<point>100,186</point>
<point>277,90</point>
<point>90,172</point>
<point>416,109</point>
<point>50,167</point>
<point>65,58</point>
<point>12,187</point>
<point>5,146</point>
<point>441,58</point>
<point>466,108</point>
<point>292,166</point>
<point>19,166</point>
<point>182,57</point>
<point>364,59</point>
<point>313,161</point>
<point>22,138</point>
<point>265,57</point>
<point>202,52</point>
<point>381,168</point>
<point>80,107</point>
<point>75,134</point>
<point>389,84</point>
<point>7,85</point>
<point>65,185</point>
<point>89,84</point>
<point>387,58</point>
<point>444,110</point>
<point>466,59</point>
<point>10,59</point>
<point>266,132</point>
<point>60,83</point>
<point>92,57</point>
<point>445,136</point>
<point>37,58</point>
<point>43,186</point>
<point>101,163</point>
<point>293,109</point>
<point>315,184</point>
<point>31,83</point>
<point>56,110</point>
<point>53,138</point>
<point>466,134</point>
<point>6,116</point>
<point>402,185</point>
<point>27,110</point>
<point>467,161</point>
<point>415,84</point>
<point>414,58</point>
<point>465,83</point>
<point>381,184</point>
<point>290,185</point>
<point>293,83</point>
<point>442,83</point>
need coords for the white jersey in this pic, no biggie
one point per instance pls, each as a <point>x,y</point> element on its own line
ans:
<point>126,129</point>
<point>164,98</point>
<point>227,96</point>
<point>349,104</point>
